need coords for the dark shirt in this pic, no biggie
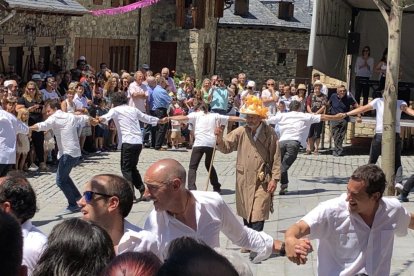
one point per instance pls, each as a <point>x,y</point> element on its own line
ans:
<point>342,105</point>
<point>35,116</point>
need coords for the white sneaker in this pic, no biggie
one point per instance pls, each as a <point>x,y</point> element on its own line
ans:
<point>173,148</point>
<point>399,187</point>
<point>33,168</point>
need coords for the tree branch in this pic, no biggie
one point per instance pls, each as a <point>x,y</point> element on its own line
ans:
<point>408,4</point>
<point>382,9</point>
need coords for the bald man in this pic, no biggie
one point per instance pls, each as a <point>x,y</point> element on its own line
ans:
<point>179,212</point>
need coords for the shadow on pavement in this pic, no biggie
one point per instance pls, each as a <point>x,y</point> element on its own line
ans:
<point>404,269</point>
<point>327,180</point>
<point>44,222</point>
<point>227,192</point>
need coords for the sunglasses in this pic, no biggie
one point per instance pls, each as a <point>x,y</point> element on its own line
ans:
<point>88,195</point>
<point>271,84</point>
<point>31,89</point>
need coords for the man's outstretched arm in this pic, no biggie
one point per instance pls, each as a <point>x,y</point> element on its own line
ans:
<point>297,248</point>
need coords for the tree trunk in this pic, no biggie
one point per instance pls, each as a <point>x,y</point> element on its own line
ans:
<point>390,94</point>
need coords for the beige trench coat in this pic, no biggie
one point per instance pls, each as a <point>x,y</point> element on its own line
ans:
<point>252,200</point>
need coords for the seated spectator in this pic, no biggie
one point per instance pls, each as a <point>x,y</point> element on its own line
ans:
<point>133,263</point>
<point>18,198</point>
<point>75,247</point>
<point>11,245</point>
<point>188,257</point>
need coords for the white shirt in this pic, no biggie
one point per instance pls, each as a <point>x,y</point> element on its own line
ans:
<point>286,100</point>
<point>294,125</point>
<point>136,239</point>
<point>212,216</point>
<point>33,244</point>
<point>204,126</point>
<point>46,95</point>
<point>364,71</point>
<point>64,126</point>
<point>347,245</point>
<point>378,105</point>
<point>137,102</point>
<point>10,126</point>
<point>266,94</point>
<point>126,119</point>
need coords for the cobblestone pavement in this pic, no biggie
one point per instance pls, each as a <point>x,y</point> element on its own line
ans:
<point>312,179</point>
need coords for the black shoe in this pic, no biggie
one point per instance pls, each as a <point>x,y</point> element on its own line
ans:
<point>217,189</point>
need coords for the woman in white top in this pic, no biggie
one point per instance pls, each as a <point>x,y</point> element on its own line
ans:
<point>68,105</point>
<point>364,67</point>
<point>204,124</point>
<point>381,68</point>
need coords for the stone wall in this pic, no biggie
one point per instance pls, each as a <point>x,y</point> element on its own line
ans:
<point>190,43</point>
<point>255,52</point>
<point>44,30</point>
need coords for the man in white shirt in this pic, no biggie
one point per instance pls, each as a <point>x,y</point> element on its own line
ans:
<point>294,128</point>
<point>9,128</point>
<point>127,121</point>
<point>202,215</point>
<point>375,151</point>
<point>107,200</point>
<point>64,126</point>
<point>138,92</point>
<point>49,93</point>
<point>355,231</point>
<point>18,198</point>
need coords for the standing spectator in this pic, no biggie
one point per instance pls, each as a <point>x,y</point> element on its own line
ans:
<point>12,88</point>
<point>258,163</point>
<point>205,88</point>
<point>64,127</point>
<point>270,97</point>
<point>287,97</point>
<point>11,105</point>
<point>88,85</point>
<point>100,75</point>
<point>165,72</point>
<point>364,66</point>
<point>60,89</point>
<point>18,198</point>
<point>10,126</point>
<point>301,96</point>
<point>315,104</point>
<point>23,142</point>
<point>82,104</point>
<point>381,68</point>
<point>160,101</point>
<point>340,103</point>
<point>138,93</point>
<point>77,72</point>
<point>49,93</point>
<point>218,97</point>
<point>38,80</point>
<point>324,89</point>
<point>127,120</point>
<point>241,81</point>
<point>32,101</point>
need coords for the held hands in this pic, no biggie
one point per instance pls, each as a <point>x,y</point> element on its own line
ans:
<point>163,120</point>
<point>297,250</point>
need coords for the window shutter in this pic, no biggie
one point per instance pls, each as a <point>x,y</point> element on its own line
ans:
<point>218,8</point>
<point>201,14</point>
<point>179,13</point>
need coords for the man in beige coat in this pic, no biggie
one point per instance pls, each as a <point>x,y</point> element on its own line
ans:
<point>257,166</point>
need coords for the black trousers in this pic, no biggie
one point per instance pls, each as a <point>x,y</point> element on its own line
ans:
<point>38,140</point>
<point>257,225</point>
<point>195,159</point>
<point>4,169</point>
<point>159,131</point>
<point>375,152</point>
<point>129,161</point>
<point>361,86</point>
<point>288,152</point>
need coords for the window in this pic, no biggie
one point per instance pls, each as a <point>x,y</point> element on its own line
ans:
<point>190,13</point>
<point>119,57</point>
<point>281,59</point>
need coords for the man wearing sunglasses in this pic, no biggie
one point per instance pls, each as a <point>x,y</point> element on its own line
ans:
<point>218,97</point>
<point>106,201</point>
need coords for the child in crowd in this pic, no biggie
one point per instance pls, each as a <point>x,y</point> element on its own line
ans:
<point>48,145</point>
<point>23,142</point>
<point>101,130</point>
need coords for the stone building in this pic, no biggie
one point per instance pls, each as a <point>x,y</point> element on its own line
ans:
<point>35,34</point>
<point>265,39</point>
<point>178,34</point>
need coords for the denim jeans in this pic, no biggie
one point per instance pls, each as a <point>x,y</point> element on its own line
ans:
<point>288,151</point>
<point>129,161</point>
<point>63,180</point>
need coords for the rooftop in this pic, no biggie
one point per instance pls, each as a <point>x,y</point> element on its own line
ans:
<point>70,7</point>
<point>264,13</point>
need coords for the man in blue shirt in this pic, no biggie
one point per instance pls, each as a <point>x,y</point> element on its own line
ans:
<point>340,103</point>
<point>219,97</point>
<point>160,103</point>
